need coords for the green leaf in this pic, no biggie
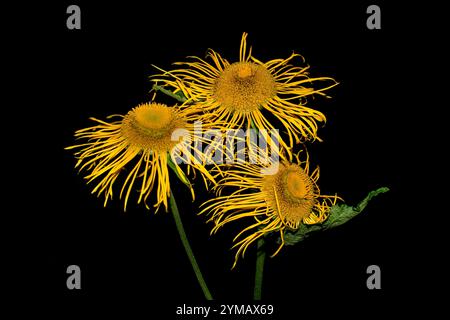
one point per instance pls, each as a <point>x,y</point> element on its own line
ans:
<point>180,174</point>
<point>339,214</point>
<point>178,95</point>
<point>342,213</point>
<point>253,125</point>
<point>181,96</point>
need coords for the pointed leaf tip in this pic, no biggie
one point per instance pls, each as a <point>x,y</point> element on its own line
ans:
<point>339,214</point>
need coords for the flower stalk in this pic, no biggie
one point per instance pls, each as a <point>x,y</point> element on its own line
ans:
<point>259,269</point>
<point>187,247</point>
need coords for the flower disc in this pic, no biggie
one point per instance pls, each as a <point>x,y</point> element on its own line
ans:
<point>291,193</point>
<point>151,126</point>
<point>244,86</point>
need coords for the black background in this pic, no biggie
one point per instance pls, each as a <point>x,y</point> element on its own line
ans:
<point>135,260</point>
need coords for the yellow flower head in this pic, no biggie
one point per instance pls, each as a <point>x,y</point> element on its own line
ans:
<point>276,202</point>
<point>238,93</point>
<point>141,145</point>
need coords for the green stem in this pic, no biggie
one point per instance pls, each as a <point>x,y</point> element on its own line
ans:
<point>187,247</point>
<point>259,270</point>
<point>180,97</point>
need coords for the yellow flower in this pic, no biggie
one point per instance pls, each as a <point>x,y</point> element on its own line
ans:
<point>238,93</point>
<point>276,202</point>
<point>141,145</point>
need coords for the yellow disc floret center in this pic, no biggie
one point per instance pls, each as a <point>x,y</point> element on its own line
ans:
<point>291,193</point>
<point>244,71</point>
<point>296,184</point>
<point>150,126</point>
<point>244,87</point>
<point>155,118</point>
